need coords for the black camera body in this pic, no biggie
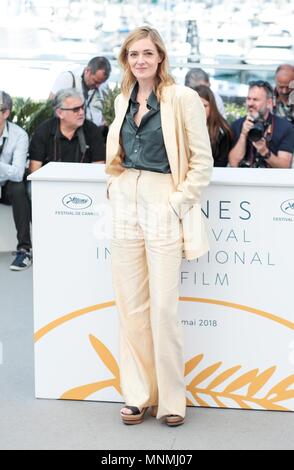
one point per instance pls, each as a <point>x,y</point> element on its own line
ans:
<point>258,162</point>
<point>258,130</point>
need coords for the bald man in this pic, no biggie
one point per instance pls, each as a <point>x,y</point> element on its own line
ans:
<point>284,92</point>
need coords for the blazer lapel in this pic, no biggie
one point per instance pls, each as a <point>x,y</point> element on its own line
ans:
<point>113,139</point>
<point>169,131</point>
<point>121,111</point>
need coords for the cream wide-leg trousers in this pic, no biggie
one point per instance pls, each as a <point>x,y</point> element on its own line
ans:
<point>146,253</point>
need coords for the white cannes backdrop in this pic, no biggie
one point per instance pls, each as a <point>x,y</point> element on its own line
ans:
<point>236,303</point>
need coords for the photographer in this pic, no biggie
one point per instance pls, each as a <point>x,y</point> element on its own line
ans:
<point>261,140</point>
<point>284,92</point>
<point>91,83</point>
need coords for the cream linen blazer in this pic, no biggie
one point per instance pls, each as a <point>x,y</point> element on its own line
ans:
<point>189,153</point>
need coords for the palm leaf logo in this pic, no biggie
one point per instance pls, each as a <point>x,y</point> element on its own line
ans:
<point>218,389</point>
<point>253,382</point>
<point>83,392</point>
<point>246,390</point>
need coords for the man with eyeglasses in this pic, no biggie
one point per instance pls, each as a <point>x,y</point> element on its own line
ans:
<point>261,140</point>
<point>284,92</point>
<point>68,137</point>
<point>91,83</point>
<point>13,157</point>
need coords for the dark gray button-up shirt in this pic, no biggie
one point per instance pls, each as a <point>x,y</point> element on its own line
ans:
<point>144,146</point>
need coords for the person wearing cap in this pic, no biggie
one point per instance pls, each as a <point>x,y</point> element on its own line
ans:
<point>14,143</point>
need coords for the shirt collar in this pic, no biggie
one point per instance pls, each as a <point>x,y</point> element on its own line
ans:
<point>151,102</point>
<point>133,96</point>
<point>5,131</point>
<point>55,130</point>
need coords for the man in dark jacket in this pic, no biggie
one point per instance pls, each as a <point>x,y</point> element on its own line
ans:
<point>68,137</point>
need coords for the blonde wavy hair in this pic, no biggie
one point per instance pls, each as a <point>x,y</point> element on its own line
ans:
<point>163,77</point>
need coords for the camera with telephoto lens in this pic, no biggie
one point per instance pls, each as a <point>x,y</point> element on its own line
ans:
<point>258,130</point>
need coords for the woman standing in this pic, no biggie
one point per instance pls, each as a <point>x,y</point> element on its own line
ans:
<point>221,136</point>
<point>159,159</point>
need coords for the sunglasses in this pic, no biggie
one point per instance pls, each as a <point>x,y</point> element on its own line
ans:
<point>261,84</point>
<point>76,109</point>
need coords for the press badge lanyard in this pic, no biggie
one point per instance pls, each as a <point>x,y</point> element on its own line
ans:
<point>3,143</point>
<point>83,147</point>
<point>2,146</point>
<point>85,92</point>
<point>86,95</point>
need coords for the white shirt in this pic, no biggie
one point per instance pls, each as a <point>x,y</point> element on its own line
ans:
<point>14,154</point>
<point>94,102</point>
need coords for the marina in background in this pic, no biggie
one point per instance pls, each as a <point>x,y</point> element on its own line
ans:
<point>235,42</point>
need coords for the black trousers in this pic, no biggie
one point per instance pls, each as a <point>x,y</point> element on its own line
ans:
<point>15,194</point>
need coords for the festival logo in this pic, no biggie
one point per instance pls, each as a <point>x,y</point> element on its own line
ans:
<point>77,201</point>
